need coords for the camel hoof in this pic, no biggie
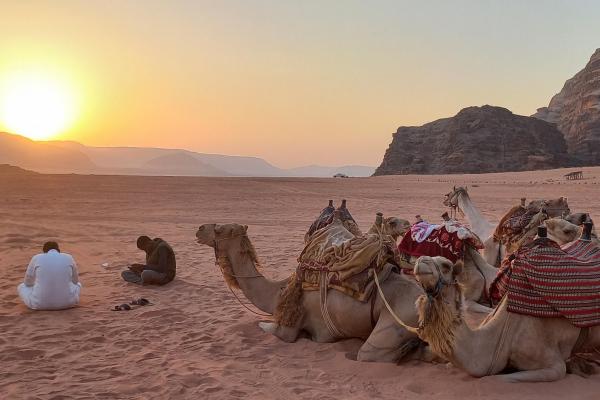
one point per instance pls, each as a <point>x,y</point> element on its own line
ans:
<point>267,327</point>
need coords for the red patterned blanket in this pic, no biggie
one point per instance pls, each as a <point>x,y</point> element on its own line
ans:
<point>440,242</point>
<point>546,281</point>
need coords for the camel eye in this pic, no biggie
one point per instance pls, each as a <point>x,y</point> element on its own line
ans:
<point>201,228</point>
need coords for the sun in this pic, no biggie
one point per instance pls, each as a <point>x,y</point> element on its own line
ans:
<point>36,106</point>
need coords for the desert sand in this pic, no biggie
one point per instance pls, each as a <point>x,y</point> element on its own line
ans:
<point>196,341</point>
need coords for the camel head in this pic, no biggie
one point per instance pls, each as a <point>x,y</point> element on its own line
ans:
<point>223,238</point>
<point>562,231</point>
<point>451,198</point>
<point>440,308</point>
<point>395,227</point>
<point>433,273</point>
<point>210,234</point>
<point>553,207</point>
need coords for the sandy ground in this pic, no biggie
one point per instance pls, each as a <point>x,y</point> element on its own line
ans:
<point>196,341</point>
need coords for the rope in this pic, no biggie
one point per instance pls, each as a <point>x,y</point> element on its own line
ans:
<point>246,307</point>
<point>333,330</point>
<point>392,313</point>
<point>236,276</point>
<point>500,343</point>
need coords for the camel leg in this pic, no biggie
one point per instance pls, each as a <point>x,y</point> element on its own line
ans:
<point>388,342</point>
<point>288,334</point>
<point>555,372</point>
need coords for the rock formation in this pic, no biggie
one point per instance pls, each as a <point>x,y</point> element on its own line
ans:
<point>476,140</point>
<point>576,112</point>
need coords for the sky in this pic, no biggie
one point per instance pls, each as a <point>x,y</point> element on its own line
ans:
<point>294,82</point>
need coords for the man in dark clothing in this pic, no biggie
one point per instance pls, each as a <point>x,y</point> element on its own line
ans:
<point>160,263</point>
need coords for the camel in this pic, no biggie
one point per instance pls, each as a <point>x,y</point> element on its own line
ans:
<point>537,347</point>
<point>562,231</point>
<point>494,252</point>
<point>459,198</point>
<point>385,340</point>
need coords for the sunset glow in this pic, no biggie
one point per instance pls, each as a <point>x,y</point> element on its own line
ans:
<point>272,79</point>
<point>36,106</point>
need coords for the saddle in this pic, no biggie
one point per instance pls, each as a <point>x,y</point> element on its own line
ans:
<point>544,280</point>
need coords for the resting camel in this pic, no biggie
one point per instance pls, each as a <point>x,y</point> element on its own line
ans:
<point>537,347</point>
<point>476,277</point>
<point>494,252</point>
<point>384,339</point>
<point>563,231</point>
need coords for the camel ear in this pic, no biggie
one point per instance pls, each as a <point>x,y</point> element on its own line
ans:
<point>458,267</point>
<point>466,187</point>
<point>445,264</point>
<point>245,228</point>
<point>453,188</point>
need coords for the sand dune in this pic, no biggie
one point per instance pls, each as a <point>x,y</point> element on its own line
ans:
<point>195,341</point>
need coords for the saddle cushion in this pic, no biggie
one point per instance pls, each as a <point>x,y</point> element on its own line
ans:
<point>547,281</point>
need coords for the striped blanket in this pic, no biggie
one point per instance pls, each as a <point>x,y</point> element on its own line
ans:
<point>547,281</point>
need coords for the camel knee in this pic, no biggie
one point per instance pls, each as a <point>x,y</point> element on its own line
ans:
<point>285,333</point>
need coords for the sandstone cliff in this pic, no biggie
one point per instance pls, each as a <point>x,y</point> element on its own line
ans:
<point>476,140</point>
<point>576,112</point>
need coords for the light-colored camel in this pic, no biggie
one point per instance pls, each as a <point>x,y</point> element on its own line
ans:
<point>384,339</point>
<point>562,231</point>
<point>459,199</point>
<point>538,347</point>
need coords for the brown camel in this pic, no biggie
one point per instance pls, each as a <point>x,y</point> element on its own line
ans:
<point>537,347</point>
<point>562,231</point>
<point>384,339</point>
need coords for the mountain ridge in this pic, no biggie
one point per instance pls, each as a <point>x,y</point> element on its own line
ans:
<point>145,161</point>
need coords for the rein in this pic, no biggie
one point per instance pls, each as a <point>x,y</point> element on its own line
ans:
<point>216,247</point>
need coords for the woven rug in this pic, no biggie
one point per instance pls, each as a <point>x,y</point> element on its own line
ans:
<point>547,281</point>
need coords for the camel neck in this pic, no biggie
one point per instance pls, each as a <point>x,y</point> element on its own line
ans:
<point>489,272</point>
<point>260,291</point>
<point>475,350</point>
<point>478,222</point>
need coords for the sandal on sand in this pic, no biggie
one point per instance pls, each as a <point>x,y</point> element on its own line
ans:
<point>122,307</point>
<point>140,302</point>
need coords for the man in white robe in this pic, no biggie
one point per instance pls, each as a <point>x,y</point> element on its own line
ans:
<point>51,281</point>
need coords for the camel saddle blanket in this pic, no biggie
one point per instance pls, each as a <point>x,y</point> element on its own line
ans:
<point>359,286</point>
<point>447,240</point>
<point>517,222</point>
<point>345,258</point>
<point>547,281</point>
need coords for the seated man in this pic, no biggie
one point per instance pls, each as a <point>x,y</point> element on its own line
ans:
<point>160,263</point>
<point>51,281</point>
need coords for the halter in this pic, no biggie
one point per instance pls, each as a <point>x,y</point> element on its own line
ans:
<point>216,247</point>
<point>454,207</point>
<point>224,272</point>
<point>433,294</point>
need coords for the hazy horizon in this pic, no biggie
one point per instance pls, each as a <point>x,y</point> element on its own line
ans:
<point>294,84</point>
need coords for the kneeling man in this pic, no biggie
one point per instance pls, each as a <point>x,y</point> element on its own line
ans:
<point>160,263</point>
<point>51,281</point>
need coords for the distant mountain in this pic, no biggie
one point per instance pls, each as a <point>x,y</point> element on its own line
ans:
<point>476,140</point>
<point>6,169</point>
<point>327,172</point>
<point>42,156</point>
<point>73,157</point>
<point>576,112</point>
<point>180,163</point>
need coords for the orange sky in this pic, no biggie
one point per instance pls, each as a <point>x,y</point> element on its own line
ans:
<point>296,84</point>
